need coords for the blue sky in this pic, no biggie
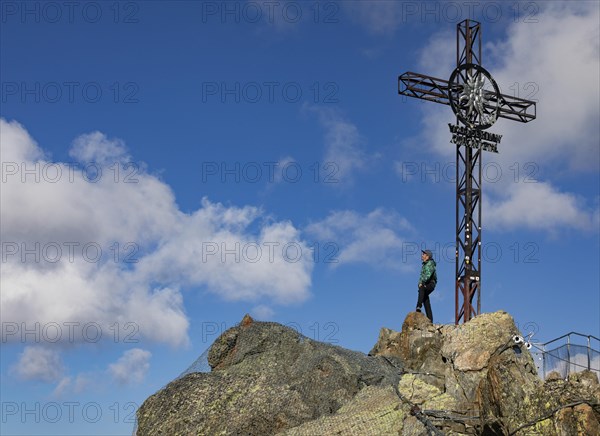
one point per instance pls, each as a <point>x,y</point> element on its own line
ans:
<point>168,167</point>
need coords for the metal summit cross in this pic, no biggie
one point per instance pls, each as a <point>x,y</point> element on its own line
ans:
<point>477,103</point>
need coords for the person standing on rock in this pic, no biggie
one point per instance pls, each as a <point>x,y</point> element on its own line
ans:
<point>427,282</point>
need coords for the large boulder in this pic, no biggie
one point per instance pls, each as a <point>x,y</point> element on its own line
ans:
<point>426,379</point>
<point>265,378</point>
<point>482,382</point>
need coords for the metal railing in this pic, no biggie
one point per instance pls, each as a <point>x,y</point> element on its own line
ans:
<point>569,357</point>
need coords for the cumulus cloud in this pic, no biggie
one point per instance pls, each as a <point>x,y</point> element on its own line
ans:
<point>39,363</point>
<point>109,250</point>
<point>213,249</point>
<point>556,61</point>
<point>539,206</point>
<point>132,366</point>
<point>376,239</point>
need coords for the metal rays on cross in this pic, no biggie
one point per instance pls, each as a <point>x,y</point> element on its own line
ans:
<point>476,101</point>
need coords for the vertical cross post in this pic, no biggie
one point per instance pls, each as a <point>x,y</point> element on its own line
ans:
<point>468,195</point>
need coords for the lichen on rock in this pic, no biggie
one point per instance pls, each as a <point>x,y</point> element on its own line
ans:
<point>426,379</point>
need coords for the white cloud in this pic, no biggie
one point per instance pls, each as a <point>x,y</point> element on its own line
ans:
<point>559,56</point>
<point>438,59</point>
<point>71,209</point>
<point>282,167</point>
<point>132,366</point>
<point>262,312</point>
<point>17,144</point>
<point>374,238</point>
<point>171,247</point>
<point>71,384</point>
<point>539,206</point>
<point>344,153</point>
<point>62,386</point>
<point>39,363</point>
<point>95,147</point>
<point>555,60</point>
<point>255,266</point>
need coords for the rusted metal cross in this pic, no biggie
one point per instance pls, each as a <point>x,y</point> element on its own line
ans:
<point>477,103</point>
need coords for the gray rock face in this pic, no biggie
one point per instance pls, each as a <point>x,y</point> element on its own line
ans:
<point>426,379</point>
<point>266,378</point>
<point>476,370</point>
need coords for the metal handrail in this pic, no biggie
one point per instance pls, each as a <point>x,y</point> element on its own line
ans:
<point>572,333</point>
<point>568,345</point>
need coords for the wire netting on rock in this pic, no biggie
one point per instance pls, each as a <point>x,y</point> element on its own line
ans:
<point>571,358</point>
<point>199,365</point>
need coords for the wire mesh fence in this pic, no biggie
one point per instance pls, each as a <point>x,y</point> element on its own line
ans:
<point>576,353</point>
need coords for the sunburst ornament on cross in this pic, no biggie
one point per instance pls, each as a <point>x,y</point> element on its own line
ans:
<point>474,96</point>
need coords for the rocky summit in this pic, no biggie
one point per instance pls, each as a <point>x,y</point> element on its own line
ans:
<point>428,379</point>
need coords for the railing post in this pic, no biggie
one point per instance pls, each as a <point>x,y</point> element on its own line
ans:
<point>588,353</point>
<point>544,361</point>
<point>568,355</point>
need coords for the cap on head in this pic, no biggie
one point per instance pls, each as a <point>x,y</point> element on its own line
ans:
<point>428,253</point>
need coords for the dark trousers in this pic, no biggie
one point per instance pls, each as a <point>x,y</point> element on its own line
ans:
<point>424,292</point>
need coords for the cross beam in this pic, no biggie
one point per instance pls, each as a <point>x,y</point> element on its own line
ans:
<point>480,114</point>
<point>437,90</point>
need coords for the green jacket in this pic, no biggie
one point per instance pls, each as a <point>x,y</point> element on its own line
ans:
<point>428,272</point>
